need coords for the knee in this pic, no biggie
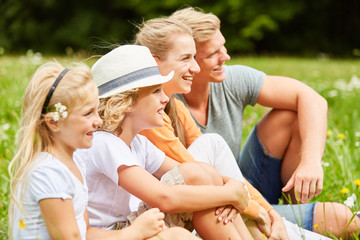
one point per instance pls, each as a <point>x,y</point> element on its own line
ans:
<point>214,139</point>
<point>181,233</point>
<point>350,223</point>
<point>278,122</point>
<point>337,219</point>
<point>285,117</point>
<point>199,174</point>
<point>177,233</point>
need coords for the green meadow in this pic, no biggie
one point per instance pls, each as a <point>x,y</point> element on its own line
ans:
<point>338,80</point>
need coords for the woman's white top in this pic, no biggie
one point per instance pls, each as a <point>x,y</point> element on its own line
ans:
<point>49,178</point>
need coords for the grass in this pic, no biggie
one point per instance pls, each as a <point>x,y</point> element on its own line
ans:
<point>337,80</point>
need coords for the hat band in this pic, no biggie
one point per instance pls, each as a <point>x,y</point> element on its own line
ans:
<point>128,78</point>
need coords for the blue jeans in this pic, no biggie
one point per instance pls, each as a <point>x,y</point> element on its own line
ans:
<point>263,171</point>
<point>260,168</point>
<point>300,214</point>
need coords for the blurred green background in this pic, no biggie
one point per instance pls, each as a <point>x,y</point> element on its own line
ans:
<point>301,27</point>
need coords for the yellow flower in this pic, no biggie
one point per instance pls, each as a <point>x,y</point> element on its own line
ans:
<point>357,182</point>
<point>22,224</point>
<point>263,236</point>
<point>316,226</point>
<point>341,136</point>
<point>344,190</point>
<point>328,133</point>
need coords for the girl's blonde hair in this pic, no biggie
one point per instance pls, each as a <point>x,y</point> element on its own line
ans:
<point>112,109</point>
<point>159,35</point>
<point>74,90</point>
<point>203,25</point>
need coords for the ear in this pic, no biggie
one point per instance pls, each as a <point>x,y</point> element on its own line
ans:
<point>157,59</point>
<point>129,109</point>
<point>51,124</point>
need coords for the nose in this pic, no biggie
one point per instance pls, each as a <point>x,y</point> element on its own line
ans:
<point>98,121</point>
<point>224,56</point>
<point>194,68</point>
<point>164,98</point>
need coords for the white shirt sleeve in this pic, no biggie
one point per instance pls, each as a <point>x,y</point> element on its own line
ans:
<point>107,154</point>
<point>50,181</point>
<point>151,158</point>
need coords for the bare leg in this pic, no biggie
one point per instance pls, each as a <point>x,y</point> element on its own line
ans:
<point>175,233</point>
<point>209,228</point>
<point>205,222</point>
<point>243,229</point>
<point>279,132</point>
<point>335,218</point>
<point>254,230</point>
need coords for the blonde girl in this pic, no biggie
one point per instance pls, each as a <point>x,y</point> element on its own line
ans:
<point>122,164</point>
<point>48,188</point>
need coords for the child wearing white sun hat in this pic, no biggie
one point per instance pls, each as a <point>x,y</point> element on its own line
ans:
<point>122,163</point>
<point>137,69</point>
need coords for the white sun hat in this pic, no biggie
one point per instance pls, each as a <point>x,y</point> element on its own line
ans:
<point>126,67</point>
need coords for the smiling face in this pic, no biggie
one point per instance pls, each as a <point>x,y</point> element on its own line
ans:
<point>149,107</point>
<point>211,56</point>
<point>180,59</point>
<point>76,131</point>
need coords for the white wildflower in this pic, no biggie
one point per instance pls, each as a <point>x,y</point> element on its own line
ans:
<point>59,110</point>
<point>64,114</point>
<point>6,126</point>
<point>349,202</point>
<point>325,164</point>
<point>56,116</point>
<point>332,93</point>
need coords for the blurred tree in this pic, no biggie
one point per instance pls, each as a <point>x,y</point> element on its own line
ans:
<point>302,26</point>
<point>323,26</point>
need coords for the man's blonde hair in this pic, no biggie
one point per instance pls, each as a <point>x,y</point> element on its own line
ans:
<point>203,25</point>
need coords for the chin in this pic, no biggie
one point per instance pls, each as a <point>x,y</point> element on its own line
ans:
<point>185,91</point>
<point>218,79</point>
<point>160,123</point>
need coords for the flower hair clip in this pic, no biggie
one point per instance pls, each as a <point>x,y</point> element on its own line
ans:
<point>58,110</point>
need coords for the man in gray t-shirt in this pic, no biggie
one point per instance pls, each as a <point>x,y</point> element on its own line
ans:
<point>227,101</point>
<point>284,151</point>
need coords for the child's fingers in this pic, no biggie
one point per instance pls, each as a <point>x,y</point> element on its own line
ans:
<point>160,215</point>
<point>156,213</point>
<point>224,214</point>
<point>231,216</point>
<point>219,210</point>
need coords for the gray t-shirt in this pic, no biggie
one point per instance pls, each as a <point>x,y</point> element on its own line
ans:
<point>227,102</point>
